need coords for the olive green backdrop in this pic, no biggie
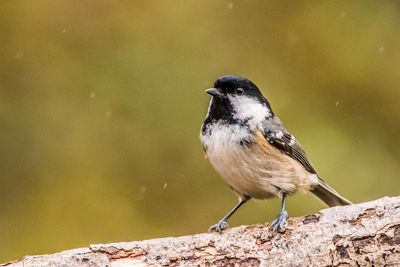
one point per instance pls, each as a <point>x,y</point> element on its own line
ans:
<point>101,104</point>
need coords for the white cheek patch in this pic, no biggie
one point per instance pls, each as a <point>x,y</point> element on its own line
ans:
<point>247,108</point>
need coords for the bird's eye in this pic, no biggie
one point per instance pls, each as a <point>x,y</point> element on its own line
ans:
<point>239,91</point>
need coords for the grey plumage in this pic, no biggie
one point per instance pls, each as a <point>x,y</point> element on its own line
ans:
<point>328,195</point>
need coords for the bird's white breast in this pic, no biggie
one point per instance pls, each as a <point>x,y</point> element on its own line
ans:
<point>258,171</point>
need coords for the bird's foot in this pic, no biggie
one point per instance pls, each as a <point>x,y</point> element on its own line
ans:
<point>218,227</point>
<point>280,220</point>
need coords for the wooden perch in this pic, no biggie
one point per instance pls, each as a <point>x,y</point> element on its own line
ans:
<point>366,234</point>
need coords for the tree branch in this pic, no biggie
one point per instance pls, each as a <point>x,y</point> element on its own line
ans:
<point>364,234</point>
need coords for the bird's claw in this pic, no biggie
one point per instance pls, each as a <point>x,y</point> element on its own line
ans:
<point>218,227</point>
<point>280,220</point>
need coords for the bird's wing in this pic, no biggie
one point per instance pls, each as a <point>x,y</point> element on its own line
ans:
<point>281,139</point>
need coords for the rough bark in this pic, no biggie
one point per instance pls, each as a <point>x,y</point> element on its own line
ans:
<point>366,234</point>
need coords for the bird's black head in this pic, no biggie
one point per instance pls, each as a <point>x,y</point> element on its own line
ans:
<point>235,86</point>
<point>235,99</point>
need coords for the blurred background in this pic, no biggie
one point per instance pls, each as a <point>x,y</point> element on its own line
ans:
<point>101,104</point>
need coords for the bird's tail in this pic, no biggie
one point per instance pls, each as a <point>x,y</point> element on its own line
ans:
<point>328,195</point>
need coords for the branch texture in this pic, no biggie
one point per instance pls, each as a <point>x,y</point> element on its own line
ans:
<point>366,234</point>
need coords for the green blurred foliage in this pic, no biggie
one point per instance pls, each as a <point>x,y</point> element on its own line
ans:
<point>101,104</point>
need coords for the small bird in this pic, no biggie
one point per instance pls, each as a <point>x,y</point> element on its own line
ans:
<point>253,152</point>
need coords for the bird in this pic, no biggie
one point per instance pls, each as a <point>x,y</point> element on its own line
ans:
<point>254,153</point>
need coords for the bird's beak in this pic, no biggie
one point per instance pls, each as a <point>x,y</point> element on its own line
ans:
<point>215,92</point>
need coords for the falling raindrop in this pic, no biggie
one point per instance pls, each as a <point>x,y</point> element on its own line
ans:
<point>19,55</point>
<point>142,190</point>
<point>108,114</point>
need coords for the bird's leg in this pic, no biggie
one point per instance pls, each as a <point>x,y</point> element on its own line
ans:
<point>282,216</point>
<point>222,224</point>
